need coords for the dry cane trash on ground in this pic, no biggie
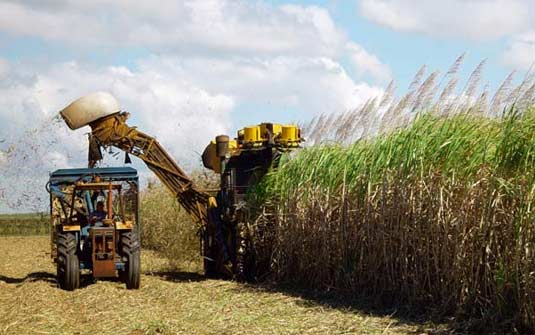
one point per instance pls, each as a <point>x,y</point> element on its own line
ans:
<point>167,303</point>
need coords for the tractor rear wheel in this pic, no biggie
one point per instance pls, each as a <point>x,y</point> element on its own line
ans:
<point>131,250</point>
<point>68,264</point>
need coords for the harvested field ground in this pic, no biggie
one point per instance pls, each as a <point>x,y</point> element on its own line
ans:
<point>167,303</point>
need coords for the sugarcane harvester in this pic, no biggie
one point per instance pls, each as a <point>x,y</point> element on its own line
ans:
<point>226,245</point>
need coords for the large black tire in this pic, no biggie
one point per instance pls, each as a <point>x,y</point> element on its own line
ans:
<point>131,252</point>
<point>68,264</point>
<point>210,249</point>
<point>209,261</point>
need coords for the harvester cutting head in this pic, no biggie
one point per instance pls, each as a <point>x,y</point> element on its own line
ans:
<point>251,139</point>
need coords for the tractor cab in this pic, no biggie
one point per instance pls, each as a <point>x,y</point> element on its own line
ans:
<point>95,224</point>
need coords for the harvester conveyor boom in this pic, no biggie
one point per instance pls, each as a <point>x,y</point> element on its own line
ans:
<point>113,131</point>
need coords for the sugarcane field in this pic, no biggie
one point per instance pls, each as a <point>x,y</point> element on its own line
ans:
<point>267,167</point>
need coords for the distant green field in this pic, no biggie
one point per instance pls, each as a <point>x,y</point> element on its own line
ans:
<point>24,224</point>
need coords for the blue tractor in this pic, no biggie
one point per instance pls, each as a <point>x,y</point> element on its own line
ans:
<point>95,224</point>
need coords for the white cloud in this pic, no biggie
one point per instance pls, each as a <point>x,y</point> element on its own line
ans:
<point>184,28</point>
<point>183,102</point>
<point>208,59</point>
<point>182,116</point>
<point>474,19</point>
<point>365,62</point>
<point>223,25</point>
<point>310,85</point>
<point>4,67</point>
<point>172,109</point>
<point>521,51</point>
<point>252,51</point>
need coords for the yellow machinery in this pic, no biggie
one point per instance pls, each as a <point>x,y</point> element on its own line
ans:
<point>241,162</point>
<point>251,138</point>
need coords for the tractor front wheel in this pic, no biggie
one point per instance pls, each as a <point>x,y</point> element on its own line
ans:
<point>131,250</point>
<point>68,265</point>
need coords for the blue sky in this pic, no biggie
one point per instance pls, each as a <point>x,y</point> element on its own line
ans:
<point>403,52</point>
<point>189,70</point>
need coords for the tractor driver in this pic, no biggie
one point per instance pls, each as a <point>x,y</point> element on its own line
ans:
<point>99,214</point>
